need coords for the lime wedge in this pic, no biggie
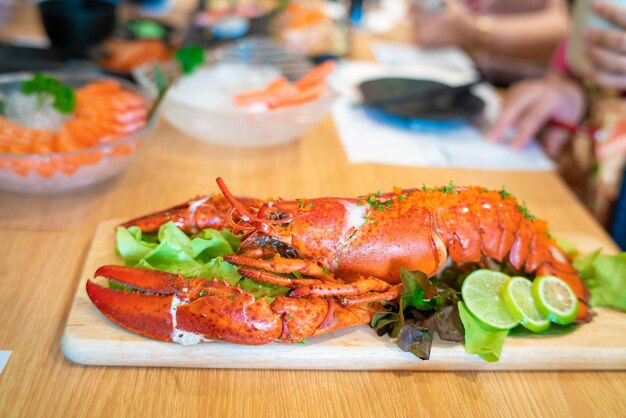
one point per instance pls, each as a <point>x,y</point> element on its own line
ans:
<point>482,292</point>
<point>555,299</point>
<point>519,299</point>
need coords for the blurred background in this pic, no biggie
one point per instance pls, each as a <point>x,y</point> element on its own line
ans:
<point>428,75</point>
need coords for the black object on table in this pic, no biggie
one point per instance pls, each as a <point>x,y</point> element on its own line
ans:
<point>20,58</point>
<point>409,98</point>
<point>74,26</point>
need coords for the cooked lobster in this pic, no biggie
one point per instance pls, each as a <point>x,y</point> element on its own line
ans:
<point>350,251</point>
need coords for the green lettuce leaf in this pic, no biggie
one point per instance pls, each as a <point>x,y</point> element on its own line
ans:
<point>480,340</point>
<point>232,240</point>
<point>210,244</point>
<point>418,291</point>
<point>605,276</point>
<point>175,238</point>
<point>221,269</point>
<point>173,251</point>
<point>554,331</point>
<point>130,244</point>
<point>262,289</point>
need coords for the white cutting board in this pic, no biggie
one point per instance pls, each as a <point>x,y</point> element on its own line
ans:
<point>90,338</point>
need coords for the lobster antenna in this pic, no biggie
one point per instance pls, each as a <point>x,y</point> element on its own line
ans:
<point>261,223</point>
<point>243,211</point>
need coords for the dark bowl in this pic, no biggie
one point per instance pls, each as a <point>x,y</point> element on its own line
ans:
<point>74,26</point>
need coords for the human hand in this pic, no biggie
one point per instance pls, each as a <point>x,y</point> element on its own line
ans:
<point>451,26</point>
<point>606,48</point>
<point>530,104</point>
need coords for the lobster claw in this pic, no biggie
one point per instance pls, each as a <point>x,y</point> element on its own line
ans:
<point>193,215</point>
<point>146,313</point>
<point>169,307</point>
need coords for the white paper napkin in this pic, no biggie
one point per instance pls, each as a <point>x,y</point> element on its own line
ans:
<point>4,358</point>
<point>368,139</point>
<point>397,54</point>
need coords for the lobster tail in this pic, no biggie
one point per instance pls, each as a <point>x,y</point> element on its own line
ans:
<point>475,223</point>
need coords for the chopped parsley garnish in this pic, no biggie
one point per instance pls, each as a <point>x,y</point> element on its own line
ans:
<point>290,316</point>
<point>388,203</point>
<point>202,293</point>
<point>231,297</point>
<point>380,206</point>
<point>359,203</point>
<point>43,85</point>
<point>504,193</point>
<point>402,197</point>
<point>372,200</point>
<point>189,58</point>
<point>448,189</point>
<point>303,342</point>
<point>524,211</point>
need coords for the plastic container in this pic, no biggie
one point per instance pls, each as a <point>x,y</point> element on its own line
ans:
<point>243,127</point>
<point>64,171</point>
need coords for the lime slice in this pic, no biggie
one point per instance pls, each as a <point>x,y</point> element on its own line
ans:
<point>555,299</point>
<point>482,292</point>
<point>521,304</point>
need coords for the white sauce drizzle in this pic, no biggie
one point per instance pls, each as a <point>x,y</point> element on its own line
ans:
<point>178,335</point>
<point>354,219</point>
<point>558,256</point>
<point>193,207</point>
<point>355,216</point>
<point>444,266</point>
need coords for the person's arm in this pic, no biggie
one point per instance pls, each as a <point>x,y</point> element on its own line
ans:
<point>529,106</point>
<point>528,35</point>
<point>533,34</point>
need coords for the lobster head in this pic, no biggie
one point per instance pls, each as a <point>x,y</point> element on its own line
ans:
<point>316,229</point>
<point>370,236</point>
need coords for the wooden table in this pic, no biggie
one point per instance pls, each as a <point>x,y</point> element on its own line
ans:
<point>43,241</point>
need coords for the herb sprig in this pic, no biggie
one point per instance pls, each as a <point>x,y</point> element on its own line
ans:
<point>190,57</point>
<point>44,85</point>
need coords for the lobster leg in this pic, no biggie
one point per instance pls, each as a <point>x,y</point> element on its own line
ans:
<point>313,287</point>
<point>282,265</point>
<point>359,287</point>
<point>392,294</point>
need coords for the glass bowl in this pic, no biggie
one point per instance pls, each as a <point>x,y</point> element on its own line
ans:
<point>243,127</point>
<point>57,172</point>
